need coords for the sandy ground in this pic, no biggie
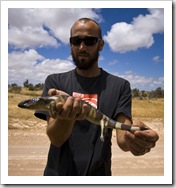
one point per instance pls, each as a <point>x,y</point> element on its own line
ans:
<point>28,148</point>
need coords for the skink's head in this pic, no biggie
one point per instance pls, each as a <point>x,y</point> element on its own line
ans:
<point>38,103</point>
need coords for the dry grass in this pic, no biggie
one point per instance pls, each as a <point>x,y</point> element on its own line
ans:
<point>14,99</point>
<point>145,109</point>
<point>14,110</point>
<point>25,91</point>
<point>21,118</point>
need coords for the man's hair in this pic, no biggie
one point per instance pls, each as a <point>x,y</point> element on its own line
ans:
<point>85,20</point>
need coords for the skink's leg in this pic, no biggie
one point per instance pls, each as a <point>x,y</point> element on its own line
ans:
<point>52,109</point>
<point>102,123</point>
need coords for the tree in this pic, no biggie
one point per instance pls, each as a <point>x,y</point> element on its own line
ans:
<point>39,86</point>
<point>159,93</point>
<point>14,88</point>
<point>135,92</point>
<point>30,87</point>
<point>144,93</point>
<point>26,83</point>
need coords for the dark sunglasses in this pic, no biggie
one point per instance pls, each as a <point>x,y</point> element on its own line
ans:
<point>88,41</point>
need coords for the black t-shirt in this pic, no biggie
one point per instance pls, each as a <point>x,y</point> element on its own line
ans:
<point>84,153</point>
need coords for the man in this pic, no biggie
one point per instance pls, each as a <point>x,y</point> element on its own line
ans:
<point>76,148</point>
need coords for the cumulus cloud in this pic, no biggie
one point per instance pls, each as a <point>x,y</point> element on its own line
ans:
<point>142,82</point>
<point>30,37</point>
<point>125,37</point>
<point>32,28</point>
<point>34,67</point>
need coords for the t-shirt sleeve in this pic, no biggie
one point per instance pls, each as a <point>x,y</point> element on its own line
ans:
<point>124,102</point>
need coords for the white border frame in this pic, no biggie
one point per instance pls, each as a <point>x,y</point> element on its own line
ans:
<point>167,178</point>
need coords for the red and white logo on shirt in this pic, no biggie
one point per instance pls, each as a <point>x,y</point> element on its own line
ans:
<point>89,98</point>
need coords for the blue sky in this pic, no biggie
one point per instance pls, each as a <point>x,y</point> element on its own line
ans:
<point>134,43</point>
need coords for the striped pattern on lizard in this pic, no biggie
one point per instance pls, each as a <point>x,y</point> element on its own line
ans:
<point>94,115</point>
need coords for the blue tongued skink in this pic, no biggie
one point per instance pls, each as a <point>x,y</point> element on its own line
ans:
<point>94,115</point>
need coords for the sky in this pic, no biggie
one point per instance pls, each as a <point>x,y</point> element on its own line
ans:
<point>38,43</point>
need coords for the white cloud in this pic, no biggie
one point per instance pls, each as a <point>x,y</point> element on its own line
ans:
<point>142,82</point>
<point>30,29</point>
<point>114,62</point>
<point>125,37</point>
<point>156,59</point>
<point>69,58</point>
<point>26,59</point>
<point>34,67</point>
<point>101,58</point>
<point>30,37</point>
<point>40,27</point>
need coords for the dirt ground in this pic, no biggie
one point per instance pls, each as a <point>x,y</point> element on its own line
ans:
<point>28,148</point>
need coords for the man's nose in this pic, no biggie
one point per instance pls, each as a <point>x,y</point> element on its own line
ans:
<point>82,45</point>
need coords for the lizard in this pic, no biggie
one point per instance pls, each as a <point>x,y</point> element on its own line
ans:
<point>94,116</point>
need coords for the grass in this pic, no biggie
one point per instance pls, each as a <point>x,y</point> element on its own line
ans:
<point>13,100</point>
<point>141,109</point>
<point>14,111</point>
<point>144,109</point>
<point>25,91</point>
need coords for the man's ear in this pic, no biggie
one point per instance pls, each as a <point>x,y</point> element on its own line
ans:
<point>101,44</point>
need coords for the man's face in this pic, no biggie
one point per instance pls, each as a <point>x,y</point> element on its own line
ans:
<point>84,56</point>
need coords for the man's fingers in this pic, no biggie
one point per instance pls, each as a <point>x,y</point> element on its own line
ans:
<point>84,111</point>
<point>137,145</point>
<point>57,92</point>
<point>66,109</point>
<point>142,151</point>
<point>52,92</point>
<point>73,108</point>
<point>76,109</point>
<point>148,135</point>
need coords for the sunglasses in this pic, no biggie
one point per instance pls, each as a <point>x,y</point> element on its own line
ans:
<point>88,41</point>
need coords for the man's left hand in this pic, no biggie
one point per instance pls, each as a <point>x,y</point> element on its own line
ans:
<point>141,142</point>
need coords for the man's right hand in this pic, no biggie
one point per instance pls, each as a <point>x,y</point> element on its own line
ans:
<point>72,109</point>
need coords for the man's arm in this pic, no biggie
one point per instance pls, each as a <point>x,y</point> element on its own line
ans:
<point>120,133</point>
<point>60,128</point>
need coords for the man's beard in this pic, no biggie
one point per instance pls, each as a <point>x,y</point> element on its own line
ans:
<point>84,64</point>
